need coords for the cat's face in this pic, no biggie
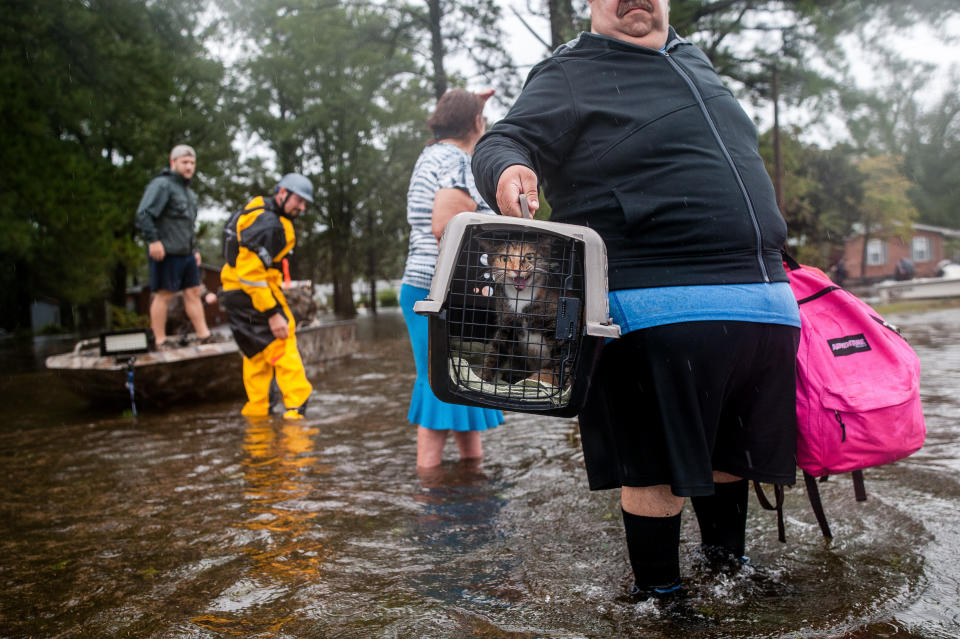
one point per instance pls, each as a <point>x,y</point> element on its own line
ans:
<point>518,264</point>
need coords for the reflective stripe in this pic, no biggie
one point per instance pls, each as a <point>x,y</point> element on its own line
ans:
<point>257,284</point>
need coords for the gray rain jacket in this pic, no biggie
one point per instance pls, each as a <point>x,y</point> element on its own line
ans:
<point>168,212</point>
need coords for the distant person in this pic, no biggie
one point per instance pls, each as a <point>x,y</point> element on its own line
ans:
<point>166,218</point>
<point>840,272</point>
<point>630,131</point>
<point>255,241</point>
<point>441,187</point>
<point>904,270</point>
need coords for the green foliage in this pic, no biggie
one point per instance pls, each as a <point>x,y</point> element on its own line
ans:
<point>932,161</point>
<point>388,297</point>
<point>94,94</point>
<point>121,318</point>
<point>334,96</point>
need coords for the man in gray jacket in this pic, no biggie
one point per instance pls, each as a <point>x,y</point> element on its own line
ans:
<point>165,219</point>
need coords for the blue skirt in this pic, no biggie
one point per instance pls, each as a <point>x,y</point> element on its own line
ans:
<point>425,409</point>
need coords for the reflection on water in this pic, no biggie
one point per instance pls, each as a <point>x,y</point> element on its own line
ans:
<point>199,523</point>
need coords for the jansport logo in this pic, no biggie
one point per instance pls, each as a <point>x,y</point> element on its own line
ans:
<point>848,345</point>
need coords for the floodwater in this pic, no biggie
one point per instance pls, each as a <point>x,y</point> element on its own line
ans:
<point>194,522</point>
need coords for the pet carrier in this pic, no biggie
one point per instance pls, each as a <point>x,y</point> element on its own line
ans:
<point>518,313</point>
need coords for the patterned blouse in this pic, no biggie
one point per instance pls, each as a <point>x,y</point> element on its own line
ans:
<point>440,166</point>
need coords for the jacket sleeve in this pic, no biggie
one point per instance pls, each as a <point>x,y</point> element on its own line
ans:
<point>263,241</point>
<point>152,203</point>
<point>537,132</point>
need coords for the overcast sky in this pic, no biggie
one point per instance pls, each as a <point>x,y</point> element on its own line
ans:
<point>918,44</point>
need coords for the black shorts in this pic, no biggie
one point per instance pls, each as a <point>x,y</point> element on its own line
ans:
<point>174,273</point>
<point>670,404</point>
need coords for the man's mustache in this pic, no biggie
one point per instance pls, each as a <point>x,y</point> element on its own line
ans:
<point>629,5</point>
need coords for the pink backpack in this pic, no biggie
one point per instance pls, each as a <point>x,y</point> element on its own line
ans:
<point>858,387</point>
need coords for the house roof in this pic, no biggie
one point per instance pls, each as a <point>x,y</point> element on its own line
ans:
<point>938,229</point>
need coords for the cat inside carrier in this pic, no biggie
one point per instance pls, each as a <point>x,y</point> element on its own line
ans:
<point>518,313</point>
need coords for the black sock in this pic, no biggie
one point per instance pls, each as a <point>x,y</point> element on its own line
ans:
<point>723,517</point>
<point>654,547</point>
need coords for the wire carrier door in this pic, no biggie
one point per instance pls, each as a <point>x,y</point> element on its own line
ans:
<point>517,313</point>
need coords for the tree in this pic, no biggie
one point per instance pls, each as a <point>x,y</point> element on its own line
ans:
<point>95,93</point>
<point>466,35</point>
<point>886,206</point>
<point>932,162</point>
<point>333,107</point>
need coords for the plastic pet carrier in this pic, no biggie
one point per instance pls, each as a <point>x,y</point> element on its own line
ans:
<point>518,313</point>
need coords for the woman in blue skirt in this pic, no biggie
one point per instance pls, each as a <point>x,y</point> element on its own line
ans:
<point>441,186</point>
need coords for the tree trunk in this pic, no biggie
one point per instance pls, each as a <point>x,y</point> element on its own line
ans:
<point>561,21</point>
<point>371,263</point>
<point>436,49</point>
<point>118,288</point>
<point>863,257</point>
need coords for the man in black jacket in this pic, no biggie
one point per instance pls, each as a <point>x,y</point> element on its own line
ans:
<point>630,131</point>
<point>165,218</point>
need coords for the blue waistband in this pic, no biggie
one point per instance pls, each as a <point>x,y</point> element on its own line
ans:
<point>638,308</point>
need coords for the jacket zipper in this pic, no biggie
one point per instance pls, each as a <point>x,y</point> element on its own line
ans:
<point>726,154</point>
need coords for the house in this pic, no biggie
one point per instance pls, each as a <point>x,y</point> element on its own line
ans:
<point>925,247</point>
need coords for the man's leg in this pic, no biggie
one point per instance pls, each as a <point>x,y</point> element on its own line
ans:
<point>158,315</point>
<point>291,377</point>
<point>722,517</point>
<point>194,308</point>
<point>651,520</point>
<point>257,375</point>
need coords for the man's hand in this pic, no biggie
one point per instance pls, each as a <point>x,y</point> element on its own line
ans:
<point>515,180</point>
<point>156,251</point>
<point>199,258</point>
<point>279,326</point>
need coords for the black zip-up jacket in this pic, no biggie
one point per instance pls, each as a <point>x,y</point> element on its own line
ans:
<point>651,150</point>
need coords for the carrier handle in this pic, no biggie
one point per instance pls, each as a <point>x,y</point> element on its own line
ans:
<point>525,208</point>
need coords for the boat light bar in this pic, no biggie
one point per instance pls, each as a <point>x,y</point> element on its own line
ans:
<point>127,342</point>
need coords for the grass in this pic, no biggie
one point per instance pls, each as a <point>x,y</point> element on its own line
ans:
<point>917,306</point>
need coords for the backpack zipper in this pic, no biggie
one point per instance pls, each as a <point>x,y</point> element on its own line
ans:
<point>843,427</point>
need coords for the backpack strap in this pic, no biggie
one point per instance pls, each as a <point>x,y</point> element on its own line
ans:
<point>789,260</point>
<point>813,493</point>
<point>858,488</point>
<point>766,505</point>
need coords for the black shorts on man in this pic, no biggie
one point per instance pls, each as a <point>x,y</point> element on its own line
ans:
<point>174,273</point>
<point>670,404</point>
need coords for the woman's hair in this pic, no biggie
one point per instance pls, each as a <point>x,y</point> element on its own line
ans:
<point>455,115</point>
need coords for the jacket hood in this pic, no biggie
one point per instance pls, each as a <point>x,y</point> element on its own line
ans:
<point>173,174</point>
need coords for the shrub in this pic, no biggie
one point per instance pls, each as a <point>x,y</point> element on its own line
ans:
<point>388,297</point>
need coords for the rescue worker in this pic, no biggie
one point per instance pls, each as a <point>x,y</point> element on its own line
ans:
<point>255,241</point>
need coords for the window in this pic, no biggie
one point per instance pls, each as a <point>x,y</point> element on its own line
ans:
<point>921,249</point>
<point>876,253</point>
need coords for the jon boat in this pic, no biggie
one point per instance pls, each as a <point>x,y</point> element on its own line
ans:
<point>947,285</point>
<point>192,372</point>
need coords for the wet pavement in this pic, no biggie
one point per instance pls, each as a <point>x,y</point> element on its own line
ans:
<point>194,522</point>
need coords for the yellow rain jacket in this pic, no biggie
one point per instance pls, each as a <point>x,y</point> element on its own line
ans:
<point>255,241</point>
